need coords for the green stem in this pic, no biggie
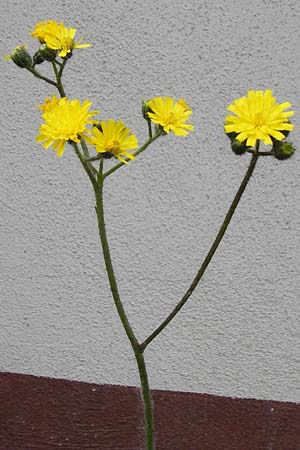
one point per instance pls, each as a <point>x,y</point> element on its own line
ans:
<point>41,77</point>
<point>149,128</point>
<point>122,314</point>
<point>211,252</point>
<point>270,153</point>
<point>85,165</point>
<point>108,263</point>
<point>55,69</point>
<point>84,148</point>
<point>58,76</point>
<point>148,408</point>
<point>86,156</point>
<point>140,150</point>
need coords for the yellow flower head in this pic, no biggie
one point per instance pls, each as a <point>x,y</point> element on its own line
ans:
<point>63,40</point>
<point>114,138</point>
<point>258,116</point>
<point>49,27</point>
<point>65,120</point>
<point>170,115</point>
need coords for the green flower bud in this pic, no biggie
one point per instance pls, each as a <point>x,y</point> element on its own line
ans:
<point>283,150</point>
<point>145,109</point>
<point>47,53</point>
<point>20,57</point>
<point>239,148</point>
<point>37,58</point>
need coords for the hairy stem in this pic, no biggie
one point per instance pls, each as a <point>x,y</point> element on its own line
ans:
<point>41,77</point>
<point>108,263</point>
<point>146,393</point>
<point>211,252</point>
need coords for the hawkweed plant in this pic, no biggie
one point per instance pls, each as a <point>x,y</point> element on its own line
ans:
<point>69,124</point>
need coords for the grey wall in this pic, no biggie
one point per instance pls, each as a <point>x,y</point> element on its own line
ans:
<point>239,333</point>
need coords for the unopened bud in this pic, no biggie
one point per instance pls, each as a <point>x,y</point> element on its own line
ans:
<point>283,150</point>
<point>239,148</point>
<point>20,57</point>
<point>37,58</point>
<point>47,53</point>
<point>146,109</point>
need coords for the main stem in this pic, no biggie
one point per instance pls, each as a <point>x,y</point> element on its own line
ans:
<point>98,190</point>
<point>211,252</point>
<point>138,352</point>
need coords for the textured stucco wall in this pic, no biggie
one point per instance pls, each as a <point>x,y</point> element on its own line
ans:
<point>239,334</point>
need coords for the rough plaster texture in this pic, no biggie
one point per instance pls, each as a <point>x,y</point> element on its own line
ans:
<point>239,333</point>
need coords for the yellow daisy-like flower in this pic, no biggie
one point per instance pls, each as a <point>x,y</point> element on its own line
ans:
<point>63,40</point>
<point>170,115</point>
<point>49,27</point>
<point>65,120</point>
<point>114,138</point>
<point>258,117</point>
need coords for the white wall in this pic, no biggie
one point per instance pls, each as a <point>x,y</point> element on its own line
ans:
<point>239,333</point>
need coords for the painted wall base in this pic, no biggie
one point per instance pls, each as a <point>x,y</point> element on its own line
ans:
<point>38,413</point>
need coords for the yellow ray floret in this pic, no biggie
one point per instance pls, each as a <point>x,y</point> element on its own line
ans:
<point>49,27</point>
<point>49,103</point>
<point>63,41</point>
<point>65,120</point>
<point>113,137</point>
<point>170,115</point>
<point>258,117</point>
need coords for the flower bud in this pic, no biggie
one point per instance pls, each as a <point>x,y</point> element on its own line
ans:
<point>20,57</point>
<point>47,53</point>
<point>283,150</point>
<point>145,109</point>
<point>239,148</point>
<point>37,58</point>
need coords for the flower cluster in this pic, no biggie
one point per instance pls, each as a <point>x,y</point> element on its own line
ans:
<point>69,121</point>
<point>54,38</point>
<point>256,117</point>
<point>57,37</point>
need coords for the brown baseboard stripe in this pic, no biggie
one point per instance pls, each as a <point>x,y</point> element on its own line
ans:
<point>38,413</point>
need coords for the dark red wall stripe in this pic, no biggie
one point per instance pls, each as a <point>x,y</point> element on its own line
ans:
<point>48,414</point>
